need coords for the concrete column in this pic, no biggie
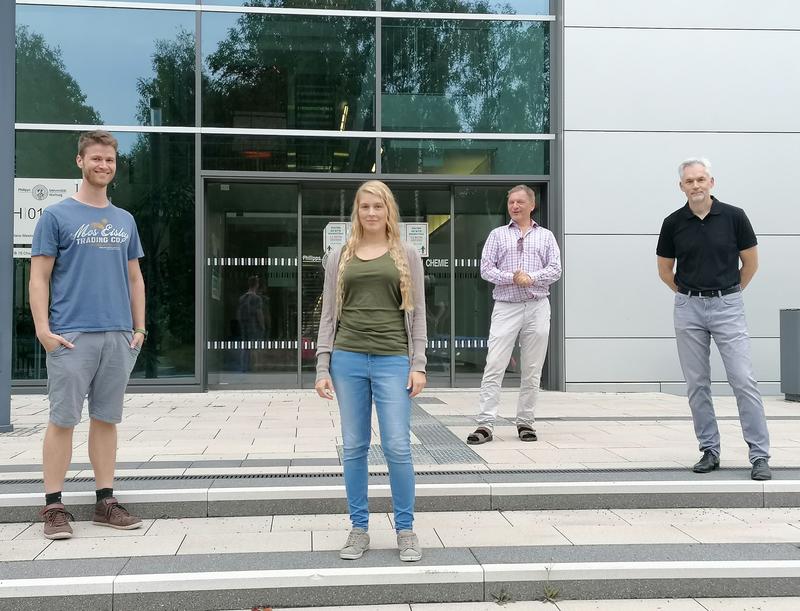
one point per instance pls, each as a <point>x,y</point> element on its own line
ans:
<point>7,105</point>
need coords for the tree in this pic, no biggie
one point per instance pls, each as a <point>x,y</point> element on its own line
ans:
<point>155,182</point>
<point>47,93</point>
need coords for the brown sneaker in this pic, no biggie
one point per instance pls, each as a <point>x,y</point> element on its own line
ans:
<point>109,512</point>
<point>56,521</point>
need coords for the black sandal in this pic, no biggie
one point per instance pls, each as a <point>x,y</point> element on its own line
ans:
<point>481,435</point>
<point>526,433</point>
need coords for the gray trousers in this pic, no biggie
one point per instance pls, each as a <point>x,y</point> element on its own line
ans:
<point>697,320</point>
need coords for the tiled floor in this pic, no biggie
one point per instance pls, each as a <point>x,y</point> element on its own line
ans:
<point>576,430</point>
<point>24,541</point>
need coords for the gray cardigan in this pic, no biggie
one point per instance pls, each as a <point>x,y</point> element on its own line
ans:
<point>416,324</point>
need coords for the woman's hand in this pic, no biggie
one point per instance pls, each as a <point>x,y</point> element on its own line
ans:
<point>416,382</point>
<point>324,388</point>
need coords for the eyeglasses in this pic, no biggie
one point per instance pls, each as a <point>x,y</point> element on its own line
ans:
<point>520,244</point>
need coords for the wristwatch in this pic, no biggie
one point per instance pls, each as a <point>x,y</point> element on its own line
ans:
<point>142,331</point>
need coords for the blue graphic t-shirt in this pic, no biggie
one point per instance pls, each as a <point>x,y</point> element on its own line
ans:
<point>89,286</point>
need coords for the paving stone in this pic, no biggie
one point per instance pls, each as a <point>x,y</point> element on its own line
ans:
<point>295,541</point>
<point>112,547</point>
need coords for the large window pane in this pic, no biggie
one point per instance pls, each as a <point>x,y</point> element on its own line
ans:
<point>478,210</point>
<point>116,79</point>
<point>251,280</point>
<point>432,206</point>
<point>277,71</point>
<point>315,4</point>
<point>155,182</point>
<point>466,157</point>
<point>277,154</point>
<point>506,7</point>
<point>321,205</point>
<point>465,76</point>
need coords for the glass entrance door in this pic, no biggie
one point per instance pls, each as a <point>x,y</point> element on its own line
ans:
<point>251,279</point>
<point>478,210</point>
<point>265,244</point>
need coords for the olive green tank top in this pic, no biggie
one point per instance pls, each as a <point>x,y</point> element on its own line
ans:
<point>372,321</point>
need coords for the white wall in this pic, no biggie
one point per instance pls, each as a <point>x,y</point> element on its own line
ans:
<point>647,84</point>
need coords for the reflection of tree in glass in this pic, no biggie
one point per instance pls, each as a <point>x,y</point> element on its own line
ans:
<point>450,6</point>
<point>47,93</point>
<point>465,75</point>
<point>295,72</point>
<point>168,98</point>
<point>156,182</point>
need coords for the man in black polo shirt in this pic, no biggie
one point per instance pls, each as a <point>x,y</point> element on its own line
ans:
<point>708,239</point>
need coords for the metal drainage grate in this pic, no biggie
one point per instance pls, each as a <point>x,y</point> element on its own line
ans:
<point>184,478</point>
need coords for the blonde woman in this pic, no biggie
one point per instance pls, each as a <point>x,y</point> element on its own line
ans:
<point>371,347</point>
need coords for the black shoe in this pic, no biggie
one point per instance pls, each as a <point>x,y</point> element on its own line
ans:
<point>708,463</point>
<point>760,470</point>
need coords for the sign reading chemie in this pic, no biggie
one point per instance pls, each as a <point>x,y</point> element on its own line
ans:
<point>416,234</point>
<point>31,197</point>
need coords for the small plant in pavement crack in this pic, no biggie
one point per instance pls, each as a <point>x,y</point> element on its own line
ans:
<point>502,597</point>
<point>550,591</point>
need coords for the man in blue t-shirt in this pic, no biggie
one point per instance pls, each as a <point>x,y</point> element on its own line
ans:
<point>85,266</point>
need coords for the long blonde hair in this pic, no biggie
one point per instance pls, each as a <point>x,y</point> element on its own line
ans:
<point>396,248</point>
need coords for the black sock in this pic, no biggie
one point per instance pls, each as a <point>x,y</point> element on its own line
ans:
<point>104,493</point>
<point>52,497</point>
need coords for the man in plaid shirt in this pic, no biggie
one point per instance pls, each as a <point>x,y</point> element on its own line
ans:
<point>522,260</point>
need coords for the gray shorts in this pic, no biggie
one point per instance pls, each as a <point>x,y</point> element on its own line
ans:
<point>99,366</point>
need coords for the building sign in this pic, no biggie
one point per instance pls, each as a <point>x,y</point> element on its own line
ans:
<point>335,235</point>
<point>31,197</point>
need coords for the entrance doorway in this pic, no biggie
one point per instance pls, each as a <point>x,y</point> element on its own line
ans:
<point>264,275</point>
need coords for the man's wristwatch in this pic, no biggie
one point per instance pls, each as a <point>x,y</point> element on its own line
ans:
<point>142,331</point>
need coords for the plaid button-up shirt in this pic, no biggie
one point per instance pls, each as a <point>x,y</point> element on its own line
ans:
<point>507,250</point>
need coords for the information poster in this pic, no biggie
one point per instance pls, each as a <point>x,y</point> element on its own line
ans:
<point>31,197</point>
<point>416,234</point>
<point>335,235</point>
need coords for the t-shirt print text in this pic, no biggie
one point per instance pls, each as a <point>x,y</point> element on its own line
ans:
<point>101,234</point>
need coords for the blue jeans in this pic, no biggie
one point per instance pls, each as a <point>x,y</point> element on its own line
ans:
<point>359,379</point>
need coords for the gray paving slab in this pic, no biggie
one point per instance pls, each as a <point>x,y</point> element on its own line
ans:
<point>98,602</point>
<point>300,597</point>
<point>219,509</point>
<point>782,499</point>
<point>637,553</point>
<point>314,462</point>
<point>209,464</point>
<point>34,569</point>
<point>647,588</point>
<point>267,462</point>
<point>626,501</point>
<point>159,464</point>
<point>146,565</point>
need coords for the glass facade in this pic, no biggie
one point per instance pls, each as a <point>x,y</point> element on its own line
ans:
<point>154,182</point>
<point>244,134</point>
<point>465,76</point>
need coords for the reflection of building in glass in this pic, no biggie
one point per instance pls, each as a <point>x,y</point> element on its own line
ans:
<point>243,139</point>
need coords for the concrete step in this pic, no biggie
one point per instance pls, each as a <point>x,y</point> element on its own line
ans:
<point>237,563</point>
<point>259,494</point>
<point>445,575</point>
<point>641,604</point>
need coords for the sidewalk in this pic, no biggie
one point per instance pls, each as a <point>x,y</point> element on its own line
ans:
<point>243,503</point>
<point>291,432</point>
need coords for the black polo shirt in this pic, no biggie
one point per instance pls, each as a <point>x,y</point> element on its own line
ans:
<point>707,250</point>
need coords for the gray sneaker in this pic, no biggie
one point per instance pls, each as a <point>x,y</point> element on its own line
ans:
<point>408,544</point>
<point>357,544</point>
